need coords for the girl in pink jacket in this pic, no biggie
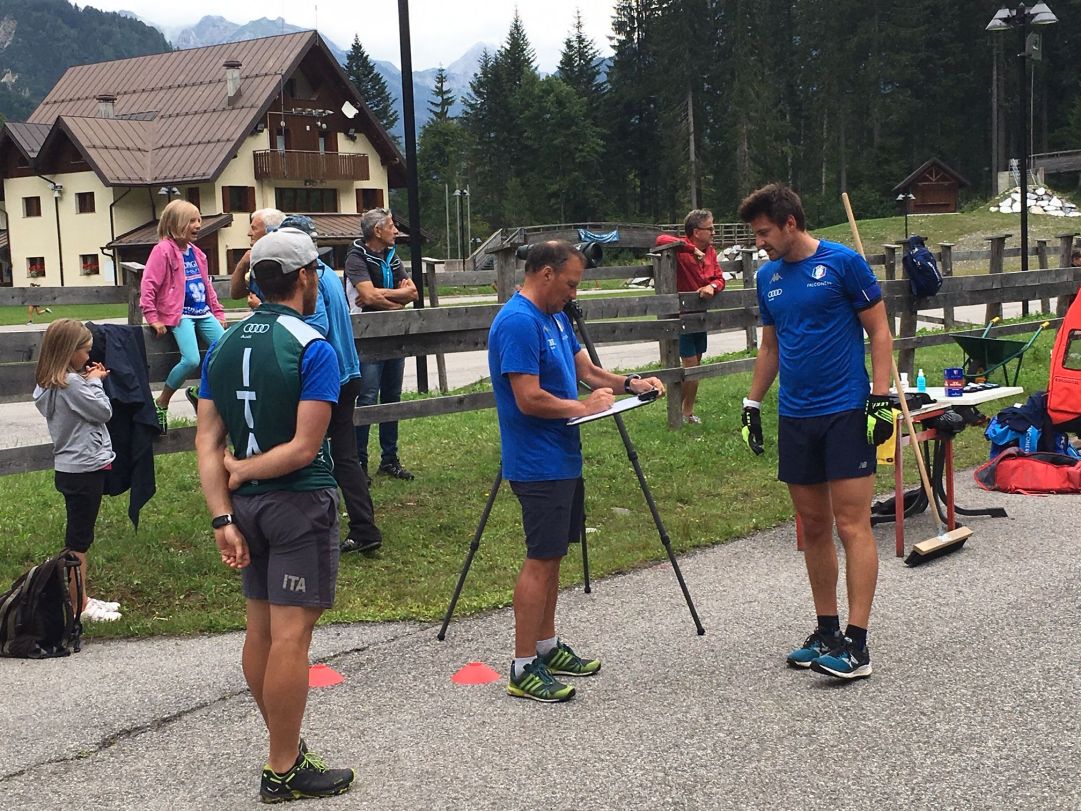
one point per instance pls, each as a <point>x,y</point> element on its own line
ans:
<point>176,295</point>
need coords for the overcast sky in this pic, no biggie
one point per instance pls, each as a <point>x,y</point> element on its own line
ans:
<point>442,30</point>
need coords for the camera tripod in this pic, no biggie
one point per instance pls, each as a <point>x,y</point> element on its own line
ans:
<point>575,312</point>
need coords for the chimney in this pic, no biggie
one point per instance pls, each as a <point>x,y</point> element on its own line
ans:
<point>232,80</point>
<point>106,108</point>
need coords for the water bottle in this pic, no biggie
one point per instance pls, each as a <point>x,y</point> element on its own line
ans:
<point>921,382</point>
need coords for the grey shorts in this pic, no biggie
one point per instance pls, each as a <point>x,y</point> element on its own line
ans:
<point>552,515</point>
<point>293,541</point>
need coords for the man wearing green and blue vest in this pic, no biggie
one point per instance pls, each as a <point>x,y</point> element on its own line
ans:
<point>268,387</point>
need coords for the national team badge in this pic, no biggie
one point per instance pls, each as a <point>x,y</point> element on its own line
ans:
<point>819,271</point>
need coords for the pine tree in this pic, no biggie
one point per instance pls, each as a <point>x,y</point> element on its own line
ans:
<point>442,99</point>
<point>578,63</point>
<point>370,85</point>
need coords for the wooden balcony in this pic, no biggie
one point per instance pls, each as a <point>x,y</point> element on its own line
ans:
<point>272,164</point>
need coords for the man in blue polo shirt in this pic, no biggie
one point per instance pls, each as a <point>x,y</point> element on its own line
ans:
<point>536,363</point>
<point>816,300</point>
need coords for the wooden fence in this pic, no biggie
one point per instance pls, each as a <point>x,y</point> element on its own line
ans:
<point>660,316</point>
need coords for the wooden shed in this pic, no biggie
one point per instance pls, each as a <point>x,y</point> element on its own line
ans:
<point>935,186</point>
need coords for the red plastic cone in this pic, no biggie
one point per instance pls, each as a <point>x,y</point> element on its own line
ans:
<point>323,676</point>
<point>475,673</point>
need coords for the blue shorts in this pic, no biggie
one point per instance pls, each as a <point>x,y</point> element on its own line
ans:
<point>813,450</point>
<point>692,344</point>
<point>293,540</point>
<point>552,515</point>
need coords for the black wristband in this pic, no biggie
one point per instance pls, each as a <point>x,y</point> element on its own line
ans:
<point>220,521</point>
<point>627,382</point>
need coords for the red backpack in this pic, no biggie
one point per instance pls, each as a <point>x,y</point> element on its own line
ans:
<point>1064,385</point>
<point>1014,471</point>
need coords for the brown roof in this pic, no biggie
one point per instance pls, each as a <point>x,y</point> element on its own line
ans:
<point>343,228</point>
<point>173,121</point>
<point>147,234</point>
<point>912,178</point>
<point>28,137</point>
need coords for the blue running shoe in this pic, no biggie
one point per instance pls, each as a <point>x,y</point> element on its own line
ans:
<point>817,644</point>
<point>844,662</point>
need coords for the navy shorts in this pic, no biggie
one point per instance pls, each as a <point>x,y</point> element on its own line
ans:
<point>692,344</point>
<point>293,541</point>
<point>552,515</point>
<point>813,450</point>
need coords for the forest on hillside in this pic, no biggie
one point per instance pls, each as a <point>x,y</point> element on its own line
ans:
<point>725,95</point>
<point>41,39</point>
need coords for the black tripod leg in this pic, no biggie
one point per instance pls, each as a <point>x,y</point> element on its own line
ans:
<point>473,547</point>
<point>585,550</point>
<point>666,542</point>
<point>575,312</point>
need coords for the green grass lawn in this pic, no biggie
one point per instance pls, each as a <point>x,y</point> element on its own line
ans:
<point>708,488</point>
<point>83,312</point>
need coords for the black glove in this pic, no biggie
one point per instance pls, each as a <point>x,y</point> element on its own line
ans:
<point>752,429</point>
<point>879,414</point>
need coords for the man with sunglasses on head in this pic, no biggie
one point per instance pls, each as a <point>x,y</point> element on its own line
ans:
<point>697,271</point>
<point>376,280</point>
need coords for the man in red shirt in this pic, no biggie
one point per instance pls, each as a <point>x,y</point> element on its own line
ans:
<point>697,271</point>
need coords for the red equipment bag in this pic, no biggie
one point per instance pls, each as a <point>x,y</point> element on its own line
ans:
<point>1014,471</point>
<point>1064,385</point>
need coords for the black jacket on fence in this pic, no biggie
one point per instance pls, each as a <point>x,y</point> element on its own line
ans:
<point>134,424</point>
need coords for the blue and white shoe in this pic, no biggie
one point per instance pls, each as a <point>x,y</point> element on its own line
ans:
<point>817,644</point>
<point>844,662</point>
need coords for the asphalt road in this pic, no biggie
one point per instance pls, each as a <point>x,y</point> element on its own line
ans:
<point>973,703</point>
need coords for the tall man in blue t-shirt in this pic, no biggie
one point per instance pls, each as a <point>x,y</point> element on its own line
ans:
<point>816,299</point>
<point>268,387</point>
<point>536,363</point>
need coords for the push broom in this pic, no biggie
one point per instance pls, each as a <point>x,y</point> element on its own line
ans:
<point>946,541</point>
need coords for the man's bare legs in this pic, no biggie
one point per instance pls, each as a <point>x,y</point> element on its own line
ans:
<point>846,503</point>
<point>690,387</point>
<point>275,661</point>
<point>535,598</point>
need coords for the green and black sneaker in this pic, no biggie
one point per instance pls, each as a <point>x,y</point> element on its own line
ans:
<point>163,419</point>
<point>562,661</point>
<point>537,683</point>
<point>309,778</point>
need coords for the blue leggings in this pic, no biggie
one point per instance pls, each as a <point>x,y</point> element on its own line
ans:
<point>187,333</point>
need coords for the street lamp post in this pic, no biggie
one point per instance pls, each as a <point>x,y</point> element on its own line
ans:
<point>1021,18</point>
<point>462,200</point>
<point>905,198</point>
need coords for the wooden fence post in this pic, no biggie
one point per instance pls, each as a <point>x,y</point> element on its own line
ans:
<point>748,269</point>
<point>433,300</point>
<point>505,265</point>
<point>946,250</point>
<point>1065,248</point>
<point>1041,257</point>
<point>998,254</point>
<point>664,282</point>
<point>133,275</point>
<point>890,265</point>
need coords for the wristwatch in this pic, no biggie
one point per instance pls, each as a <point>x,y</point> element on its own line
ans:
<point>220,521</point>
<point>627,382</point>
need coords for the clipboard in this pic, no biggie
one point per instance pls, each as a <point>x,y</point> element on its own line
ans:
<point>626,404</point>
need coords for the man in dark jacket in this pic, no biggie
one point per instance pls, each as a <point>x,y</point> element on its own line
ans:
<point>376,281</point>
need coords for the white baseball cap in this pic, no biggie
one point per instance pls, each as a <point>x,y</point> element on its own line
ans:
<point>291,248</point>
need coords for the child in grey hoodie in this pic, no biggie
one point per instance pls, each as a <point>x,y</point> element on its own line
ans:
<point>71,396</point>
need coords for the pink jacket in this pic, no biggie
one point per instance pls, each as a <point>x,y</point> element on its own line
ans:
<point>161,293</point>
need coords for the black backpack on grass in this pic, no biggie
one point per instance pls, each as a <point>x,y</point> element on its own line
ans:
<point>37,619</point>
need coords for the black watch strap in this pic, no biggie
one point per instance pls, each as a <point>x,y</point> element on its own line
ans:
<point>627,382</point>
<point>220,521</point>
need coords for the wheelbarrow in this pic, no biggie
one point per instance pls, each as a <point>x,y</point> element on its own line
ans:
<point>984,355</point>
